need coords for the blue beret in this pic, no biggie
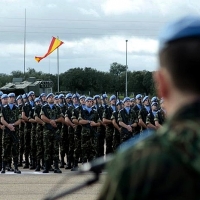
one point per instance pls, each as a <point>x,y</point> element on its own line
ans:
<point>96,96</point>
<point>30,93</point>
<point>60,96</point>
<point>50,94</point>
<point>184,27</point>
<point>69,95</point>
<point>132,99</point>
<point>56,97</point>
<point>89,99</point>
<point>119,102</point>
<point>42,95</point>
<point>75,95</point>
<point>24,96</point>
<point>138,96</point>
<point>4,96</point>
<point>82,96</point>
<point>11,94</point>
<point>19,97</point>
<point>112,97</point>
<point>1,93</point>
<point>126,99</point>
<point>154,103</point>
<point>154,99</point>
<point>145,98</point>
<point>37,99</point>
<point>104,96</point>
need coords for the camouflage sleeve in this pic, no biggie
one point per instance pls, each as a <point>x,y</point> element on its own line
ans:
<point>113,116</point>
<point>148,119</point>
<point>80,116</point>
<point>143,173</point>
<point>156,117</point>
<point>42,111</point>
<point>119,117</point>
<point>104,114</point>
<point>139,115</point>
<point>74,114</point>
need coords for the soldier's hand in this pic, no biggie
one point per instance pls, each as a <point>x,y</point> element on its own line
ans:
<point>11,127</point>
<point>53,123</point>
<point>129,128</point>
<point>92,123</point>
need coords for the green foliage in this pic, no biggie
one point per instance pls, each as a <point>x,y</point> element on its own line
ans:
<point>90,81</point>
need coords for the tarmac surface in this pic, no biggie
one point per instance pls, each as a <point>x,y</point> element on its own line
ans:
<point>31,185</point>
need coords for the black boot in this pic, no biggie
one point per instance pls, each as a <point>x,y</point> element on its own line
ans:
<point>33,164</point>
<point>56,170</point>
<point>26,166</point>
<point>9,168</point>
<point>1,164</point>
<point>75,166</point>
<point>16,170</point>
<point>46,170</point>
<point>3,171</point>
<point>38,166</point>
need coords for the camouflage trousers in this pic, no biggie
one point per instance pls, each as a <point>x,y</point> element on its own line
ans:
<point>1,135</point>
<point>64,145</point>
<point>125,135</point>
<point>71,145</point>
<point>10,146</point>
<point>51,141</point>
<point>33,141</point>
<point>39,142</point>
<point>100,141</point>
<point>27,139</point>
<point>116,139</point>
<point>77,146</point>
<point>109,139</point>
<point>21,139</point>
<point>87,145</point>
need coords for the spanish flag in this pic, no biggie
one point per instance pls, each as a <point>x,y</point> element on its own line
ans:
<point>55,43</point>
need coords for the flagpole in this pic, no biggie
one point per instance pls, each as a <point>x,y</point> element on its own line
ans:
<point>58,67</point>
<point>25,45</point>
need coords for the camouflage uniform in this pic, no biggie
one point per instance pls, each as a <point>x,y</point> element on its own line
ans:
<point>128,119</point>
<point>10,140</point>
<point>39,137</point>
<point>163,166</point>
<point>51,137</point>
<point>87,134</point>
<point>109,130</point>
<point>70,158</point>
<point>21,138</point>
<point>77,136</point>
<point>27,108</point>
<point>116,134</point>
<point>64,147</point>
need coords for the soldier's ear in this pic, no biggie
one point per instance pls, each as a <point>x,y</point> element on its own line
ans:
<point>162,82</point>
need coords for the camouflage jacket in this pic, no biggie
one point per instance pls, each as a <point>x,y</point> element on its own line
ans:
<point>11,116</point>
<point>165,165</point>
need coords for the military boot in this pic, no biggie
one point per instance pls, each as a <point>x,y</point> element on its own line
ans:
<point>33,166</point>
<point>56,170</point>
<point>38,166</point>
<point>46,170</point>
<point>75,166</point>
<point>3,171</point>
<point>16,170</point>
<point>9,168</point>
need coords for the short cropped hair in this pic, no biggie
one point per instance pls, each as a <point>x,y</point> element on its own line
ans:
<point>182,60</point>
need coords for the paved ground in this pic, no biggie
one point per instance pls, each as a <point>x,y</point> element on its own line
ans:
<point>36,185</point>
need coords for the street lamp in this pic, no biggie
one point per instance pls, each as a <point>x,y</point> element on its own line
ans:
<point>126,67</point>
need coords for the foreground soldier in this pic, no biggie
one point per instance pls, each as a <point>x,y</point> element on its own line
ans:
<point>166,165</point>
<point>10,118</point>
<point>51,114</point>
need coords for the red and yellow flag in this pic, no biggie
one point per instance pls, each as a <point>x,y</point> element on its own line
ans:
<point>55,43</point>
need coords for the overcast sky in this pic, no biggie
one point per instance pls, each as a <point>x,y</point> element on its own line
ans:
<point>94,32</point>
